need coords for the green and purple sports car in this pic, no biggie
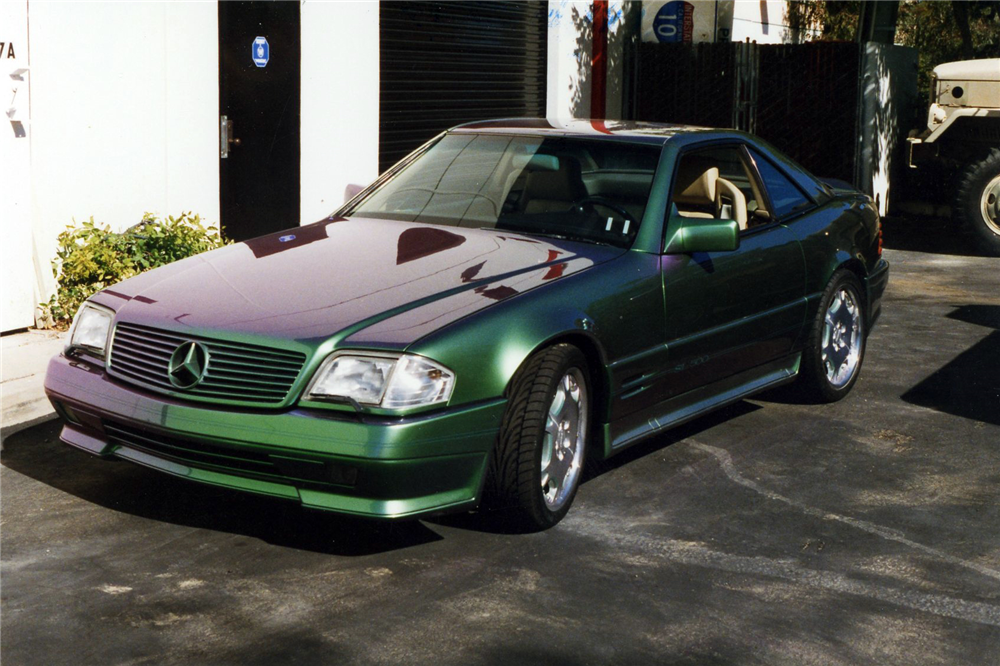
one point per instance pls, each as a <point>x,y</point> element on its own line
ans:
<point>513,298</point>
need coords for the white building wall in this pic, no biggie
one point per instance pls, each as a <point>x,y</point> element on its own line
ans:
<point>124,116</point>
<point>340,102</point>
<point>761,21</point>
<point>17,273</point>
<point>125,100</point>
<point>569,53</point>
<point>766,22</point>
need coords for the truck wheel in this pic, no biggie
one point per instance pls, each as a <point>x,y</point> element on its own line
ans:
<point>977,201</point>
<point>540,454</point>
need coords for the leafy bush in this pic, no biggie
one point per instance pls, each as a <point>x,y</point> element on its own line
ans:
<point>91,257</point>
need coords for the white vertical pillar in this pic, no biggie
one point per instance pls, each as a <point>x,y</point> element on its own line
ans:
<point>569,54</point>
<point>617,43</point>
<point>340,102</point>
<point>570,50</point>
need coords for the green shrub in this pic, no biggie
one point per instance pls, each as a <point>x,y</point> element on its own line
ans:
<point>91,257</point>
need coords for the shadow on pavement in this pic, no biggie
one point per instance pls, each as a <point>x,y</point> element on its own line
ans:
<point>500,523</point>
<point>968,386</point>
<point>127,488</point>
<point>37,453</point>
<point>927,234</point>
<point>788,394</point>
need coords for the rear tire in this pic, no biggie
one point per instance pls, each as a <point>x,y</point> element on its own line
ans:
<point>541,449</point>
<point>977,201</point>
<point>835,349</point>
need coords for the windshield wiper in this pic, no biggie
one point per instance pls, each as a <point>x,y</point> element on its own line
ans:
<point>550,234</point>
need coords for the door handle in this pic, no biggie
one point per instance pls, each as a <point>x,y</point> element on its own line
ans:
<point>226,136</point>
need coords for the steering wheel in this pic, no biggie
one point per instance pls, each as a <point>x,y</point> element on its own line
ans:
<point>593,201</point>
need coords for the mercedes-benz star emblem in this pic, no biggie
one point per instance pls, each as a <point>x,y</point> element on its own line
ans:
<point>187,364</point>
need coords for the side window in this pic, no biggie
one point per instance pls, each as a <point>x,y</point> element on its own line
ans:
<point>786,197</point>
<point>716,183</point>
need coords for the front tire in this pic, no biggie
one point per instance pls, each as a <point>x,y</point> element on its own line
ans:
<point>835,349</point>
<point>977,201</point>
<point>541,448</point>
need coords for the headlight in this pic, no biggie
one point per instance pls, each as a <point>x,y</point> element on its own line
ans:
<point>90,329</point>
<point>418,381</point>
<point>391,382</point>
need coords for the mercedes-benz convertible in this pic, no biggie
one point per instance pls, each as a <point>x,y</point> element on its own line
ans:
<point>511,299</point>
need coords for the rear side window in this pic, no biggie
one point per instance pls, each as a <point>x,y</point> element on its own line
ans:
<point>786,197</point>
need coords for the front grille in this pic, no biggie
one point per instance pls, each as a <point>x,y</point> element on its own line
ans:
<point>236,372</point>
<point>235,459</point>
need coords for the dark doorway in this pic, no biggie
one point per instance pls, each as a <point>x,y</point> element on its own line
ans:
<point>259,99</point>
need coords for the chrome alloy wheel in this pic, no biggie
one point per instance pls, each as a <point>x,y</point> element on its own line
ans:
<point>990,205</point>
<point>841,345</point>
<point>565,438</point>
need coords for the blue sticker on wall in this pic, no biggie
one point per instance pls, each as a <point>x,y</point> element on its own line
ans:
<point>674,22</point>
<point>260,51</point>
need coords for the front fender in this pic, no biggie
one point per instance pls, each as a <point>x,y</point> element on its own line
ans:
<point>615,309</point>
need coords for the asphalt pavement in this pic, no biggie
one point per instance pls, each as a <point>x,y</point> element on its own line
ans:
<point>772,532</point>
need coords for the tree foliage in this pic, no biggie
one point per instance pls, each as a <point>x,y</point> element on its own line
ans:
<point>941,30</point>
<point>935,29</point>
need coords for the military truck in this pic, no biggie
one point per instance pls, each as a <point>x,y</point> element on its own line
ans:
<point>963,137</point>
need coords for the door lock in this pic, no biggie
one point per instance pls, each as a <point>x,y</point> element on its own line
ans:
<point>226,136</point>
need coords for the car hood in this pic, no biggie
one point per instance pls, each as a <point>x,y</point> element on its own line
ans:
<point>344,275</point>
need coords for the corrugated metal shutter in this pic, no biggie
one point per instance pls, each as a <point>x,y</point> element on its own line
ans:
<point>445,63</point>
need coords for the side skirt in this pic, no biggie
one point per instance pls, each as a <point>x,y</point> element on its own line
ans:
<point>636,427</point>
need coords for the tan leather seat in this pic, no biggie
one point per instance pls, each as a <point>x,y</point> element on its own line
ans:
<point>737,206</point>
<point>694,191</point>
<point>699,190</point>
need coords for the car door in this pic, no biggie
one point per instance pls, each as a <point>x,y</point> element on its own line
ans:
<point>728,312</point>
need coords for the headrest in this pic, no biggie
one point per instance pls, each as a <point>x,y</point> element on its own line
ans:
<point>696,181</point>
<point>536,162</point>
<point>566,184</point>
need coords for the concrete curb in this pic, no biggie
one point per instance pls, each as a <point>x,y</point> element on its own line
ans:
<point>24,358</point>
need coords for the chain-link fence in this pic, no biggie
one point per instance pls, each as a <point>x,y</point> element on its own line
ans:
<point>807,104</point>
<point>687,84</point>
<point>803,98</point>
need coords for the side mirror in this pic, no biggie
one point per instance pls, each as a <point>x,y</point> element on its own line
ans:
<point>352,191</point>
<point>703,235</point>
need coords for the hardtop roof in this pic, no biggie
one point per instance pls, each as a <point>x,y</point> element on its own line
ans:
<point>637,131</point>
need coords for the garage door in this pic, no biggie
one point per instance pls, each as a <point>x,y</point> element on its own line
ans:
<point>445,63</point>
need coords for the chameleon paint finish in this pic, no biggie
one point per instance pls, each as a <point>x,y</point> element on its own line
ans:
<point>667,336</point>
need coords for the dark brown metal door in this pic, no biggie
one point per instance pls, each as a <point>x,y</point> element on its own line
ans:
<point>446,63</point>
<point>259,58</point>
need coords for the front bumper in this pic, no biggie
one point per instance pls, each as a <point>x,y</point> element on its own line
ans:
<point>376,467</point>
<point>920,151</point>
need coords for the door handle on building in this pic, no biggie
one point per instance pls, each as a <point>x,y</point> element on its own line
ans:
<point>226,136</point>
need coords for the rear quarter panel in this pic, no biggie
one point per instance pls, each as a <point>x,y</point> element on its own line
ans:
<point>841,233</point>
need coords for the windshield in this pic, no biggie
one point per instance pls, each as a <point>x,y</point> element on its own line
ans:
<point>580,189</point>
